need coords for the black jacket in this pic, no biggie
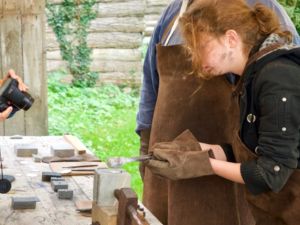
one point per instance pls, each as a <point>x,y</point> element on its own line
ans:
<point>270,119</point>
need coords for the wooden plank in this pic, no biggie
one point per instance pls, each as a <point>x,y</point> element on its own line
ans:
<point>117,24</point>
<point>79,147</point>
<point>11,52</point>
<point>36,121</point>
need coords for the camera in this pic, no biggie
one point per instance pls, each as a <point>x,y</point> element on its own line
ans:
<point>11,95</point>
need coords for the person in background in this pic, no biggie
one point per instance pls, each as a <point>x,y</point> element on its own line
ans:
<point>9,112</point>
<point>249,42</point>
<point>171,102</point>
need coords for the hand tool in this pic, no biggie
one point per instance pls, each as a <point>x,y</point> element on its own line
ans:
<point>115,162</point>
<point>90,165</point>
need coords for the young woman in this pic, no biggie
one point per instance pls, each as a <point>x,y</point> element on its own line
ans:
<point>249,43</point>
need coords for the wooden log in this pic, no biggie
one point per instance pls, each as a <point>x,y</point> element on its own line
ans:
<point>119,78</point>
<point>117,24</point>
<point>132,68</point>
<point>53,55</point>
<point>114,40</point>
<point>51,41</point>
<point>154,9</point>
<point>121,9</point>
<point>53,65</point>
<point>158,2</point>
<point>105,54</point>
<point>117,54</point>
<point>103,40</point>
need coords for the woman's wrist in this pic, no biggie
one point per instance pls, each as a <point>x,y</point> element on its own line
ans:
<point>217,150</point>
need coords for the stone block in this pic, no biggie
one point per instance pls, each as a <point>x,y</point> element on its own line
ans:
<point>25,150</point>
<point>24,202</point>
<point>65,194</point>
<point>106,181</point>
<point>62,149</point>
<point>46,176</point>
<point>56,185</point>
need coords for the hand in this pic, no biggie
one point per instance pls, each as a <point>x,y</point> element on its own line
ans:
<point>144,145</point>
<point>11,73</point>
<point>176,146</point>
<point>184,142</point>
<point>5,113</point>
<point>175,164</point>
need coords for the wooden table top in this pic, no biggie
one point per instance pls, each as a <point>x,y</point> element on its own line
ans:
<point>50,210</point>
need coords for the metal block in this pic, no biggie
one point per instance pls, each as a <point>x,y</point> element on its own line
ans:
<point>24,202</point>
<point>46,176</point>
<point>65,194</point>
<point>57,179</point>
<point>56,185</point>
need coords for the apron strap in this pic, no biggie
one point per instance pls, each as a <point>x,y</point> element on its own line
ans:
<point>182,10</point>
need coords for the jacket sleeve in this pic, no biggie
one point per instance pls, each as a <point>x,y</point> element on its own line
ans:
<point>277,92</point>
<point>150,81</point>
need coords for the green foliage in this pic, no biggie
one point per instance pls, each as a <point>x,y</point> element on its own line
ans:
<point>293,9</point>
<point>102,117</point>
<point>70,22</point>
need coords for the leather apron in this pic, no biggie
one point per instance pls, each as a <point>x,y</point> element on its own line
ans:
<point>271,208</point>
<point>185,101</point>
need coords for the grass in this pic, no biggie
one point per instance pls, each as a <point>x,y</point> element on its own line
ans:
<point>102,117</point>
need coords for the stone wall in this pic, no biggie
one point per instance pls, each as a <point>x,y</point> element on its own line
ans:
<point>116,37</point>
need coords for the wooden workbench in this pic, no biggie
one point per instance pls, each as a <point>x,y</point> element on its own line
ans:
<point>50,210</point>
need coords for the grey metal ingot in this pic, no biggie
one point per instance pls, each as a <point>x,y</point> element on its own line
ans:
<point>25,150</point>
<point>106,181</point>
<point>56,185</point>
<point>24,202</point>
<point>65,194</point>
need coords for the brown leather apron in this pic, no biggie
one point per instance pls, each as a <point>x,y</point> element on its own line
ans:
<point>204,107</point>
<point>271,208</point>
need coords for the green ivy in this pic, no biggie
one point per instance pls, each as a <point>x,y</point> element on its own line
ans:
<point>293,9</point>
<point>70,21</point>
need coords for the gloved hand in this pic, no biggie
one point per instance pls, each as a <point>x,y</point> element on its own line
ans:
<point>183,142</point>
<point>176,165</point>
<point>144,145</point>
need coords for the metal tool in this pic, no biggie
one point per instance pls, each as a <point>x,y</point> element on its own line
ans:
<point>116,162</point>
<point>90,165</point>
